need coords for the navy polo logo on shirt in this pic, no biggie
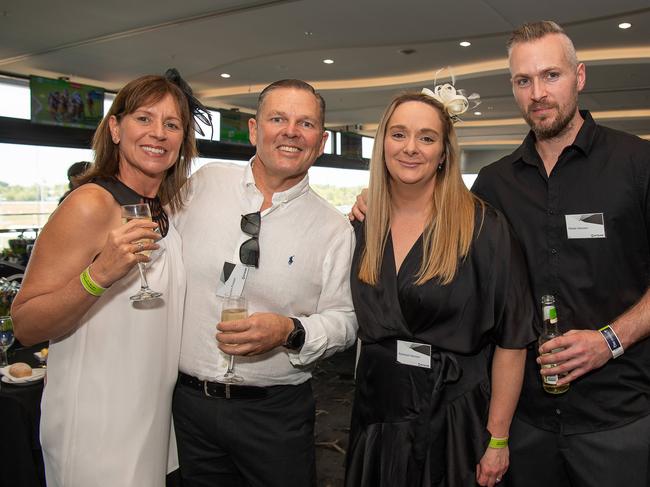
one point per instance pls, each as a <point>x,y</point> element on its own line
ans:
<point>291,260</point>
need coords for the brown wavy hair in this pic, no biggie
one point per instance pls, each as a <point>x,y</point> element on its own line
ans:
<point>146,90</point>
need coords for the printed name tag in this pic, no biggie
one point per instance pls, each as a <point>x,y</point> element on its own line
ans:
<point>416,354</point>
<point>589,225</point>
<point>232,279</point>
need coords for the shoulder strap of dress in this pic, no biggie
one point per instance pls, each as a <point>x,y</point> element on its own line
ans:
<point>126,196</point>
<point>121,192</point>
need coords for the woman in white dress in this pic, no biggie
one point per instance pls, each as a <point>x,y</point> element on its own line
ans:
<point>112,366</point>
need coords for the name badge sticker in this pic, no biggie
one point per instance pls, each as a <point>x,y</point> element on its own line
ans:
<point>232,279</point>
<point>589,225</point>
<point>415,354</point>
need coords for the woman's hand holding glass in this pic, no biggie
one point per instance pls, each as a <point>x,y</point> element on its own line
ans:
<point>141,212</point>
<point>125,247</point>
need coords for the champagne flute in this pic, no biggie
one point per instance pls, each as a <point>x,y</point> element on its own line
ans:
<point>233,308</point>
<point>140,211</point>
<point>6,338</point>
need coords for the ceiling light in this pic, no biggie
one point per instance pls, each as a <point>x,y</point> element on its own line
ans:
<point>478,114</point>
<point>407,51</point>
<point>224,75</point>
<point>328,61</point>
<point>624,25</point>
<point>465,43</point>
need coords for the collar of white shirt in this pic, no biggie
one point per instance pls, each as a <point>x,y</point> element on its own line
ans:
<point>248,181</point>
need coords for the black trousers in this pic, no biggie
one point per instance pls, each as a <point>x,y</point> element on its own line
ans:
<point>610,458</point>
<point>264,442</point>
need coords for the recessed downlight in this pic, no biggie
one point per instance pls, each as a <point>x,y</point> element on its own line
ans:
<point>407,51</point>
<point>465,43</point>
<point>328,61</point>
<point>624,25</point>
<point>224,75</point>
<point>478,114</point>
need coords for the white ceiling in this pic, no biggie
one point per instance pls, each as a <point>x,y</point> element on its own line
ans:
<point>257,42</point>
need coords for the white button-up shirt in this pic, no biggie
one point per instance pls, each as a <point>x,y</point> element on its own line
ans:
<point>306,249</point>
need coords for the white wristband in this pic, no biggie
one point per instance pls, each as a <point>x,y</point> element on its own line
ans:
<point>612,341</point>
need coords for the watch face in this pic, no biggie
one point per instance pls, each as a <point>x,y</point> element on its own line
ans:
<point>296,339</point>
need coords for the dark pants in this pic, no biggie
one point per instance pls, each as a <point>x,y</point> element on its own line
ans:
<point>610,458</point>
<point>246,442</point>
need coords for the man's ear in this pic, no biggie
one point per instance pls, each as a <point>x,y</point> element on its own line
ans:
<point>323,141</point>
<point>252,130</point>
<point>581,76</point>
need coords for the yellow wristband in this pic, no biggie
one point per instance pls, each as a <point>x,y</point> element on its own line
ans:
<point>89,284</point>
<point>498,442</point>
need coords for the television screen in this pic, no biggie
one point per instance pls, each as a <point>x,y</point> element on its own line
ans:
<point>60,102</point>
<point>234,127</point>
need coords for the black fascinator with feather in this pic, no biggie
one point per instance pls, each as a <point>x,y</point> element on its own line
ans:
<point>197,109</point>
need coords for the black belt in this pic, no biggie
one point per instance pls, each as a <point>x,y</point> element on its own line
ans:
<point>223,391</point>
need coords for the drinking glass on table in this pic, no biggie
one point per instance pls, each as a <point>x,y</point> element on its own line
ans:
<point>233,308</point>
<point>140,211</point>
<point>6,338</point>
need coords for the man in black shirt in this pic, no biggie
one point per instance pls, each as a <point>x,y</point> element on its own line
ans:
<point>577,196</point>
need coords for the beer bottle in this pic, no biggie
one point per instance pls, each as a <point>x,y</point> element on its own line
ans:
<point>550,331</point>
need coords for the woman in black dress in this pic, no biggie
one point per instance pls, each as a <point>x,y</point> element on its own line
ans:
<point>444,313</point>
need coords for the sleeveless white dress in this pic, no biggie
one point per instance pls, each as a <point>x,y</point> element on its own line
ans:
<point>106,409</point>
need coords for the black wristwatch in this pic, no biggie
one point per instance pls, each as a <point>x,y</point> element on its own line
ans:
<point>296,338</point>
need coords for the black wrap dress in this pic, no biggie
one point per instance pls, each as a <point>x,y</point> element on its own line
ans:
<point>414,426</point>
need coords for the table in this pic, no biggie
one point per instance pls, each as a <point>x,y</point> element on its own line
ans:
<point>20,415</point>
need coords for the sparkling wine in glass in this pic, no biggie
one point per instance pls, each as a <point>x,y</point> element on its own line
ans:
<point>140,211</point>
<point>6,338</point>
<point>233,308</point>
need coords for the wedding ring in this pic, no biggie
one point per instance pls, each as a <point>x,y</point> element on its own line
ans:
<point>140,246</point>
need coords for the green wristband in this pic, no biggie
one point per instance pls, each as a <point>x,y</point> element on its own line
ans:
<point>498,442</point>
<point>89,284</point>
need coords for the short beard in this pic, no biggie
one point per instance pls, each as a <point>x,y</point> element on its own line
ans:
<point>559,126</point>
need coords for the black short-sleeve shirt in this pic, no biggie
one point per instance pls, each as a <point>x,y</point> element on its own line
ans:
<point>585,232</point>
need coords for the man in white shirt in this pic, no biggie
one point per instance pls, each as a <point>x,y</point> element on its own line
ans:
<point>261,231</point>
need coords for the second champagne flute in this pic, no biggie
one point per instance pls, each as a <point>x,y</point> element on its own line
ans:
<point>6,338</point>
<point>233,308</point>
<point>140,211</point>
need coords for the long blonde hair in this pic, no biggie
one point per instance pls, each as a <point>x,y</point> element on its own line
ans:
<point>448,234</point>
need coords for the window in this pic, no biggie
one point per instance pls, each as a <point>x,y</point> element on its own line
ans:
<point>338,186</point>
<point>14,96</point>
<point>367,144</point>
<point>32,180</point>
